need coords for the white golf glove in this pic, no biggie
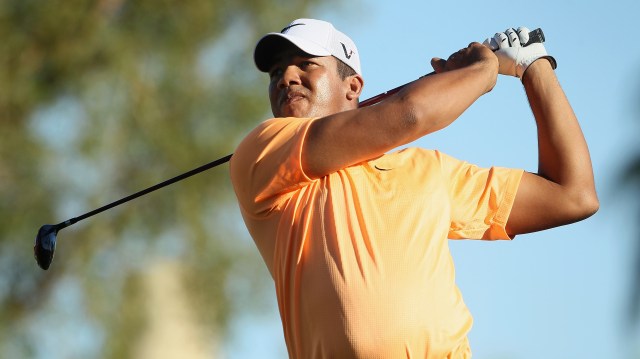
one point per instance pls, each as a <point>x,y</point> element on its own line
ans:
<point>513,56</point>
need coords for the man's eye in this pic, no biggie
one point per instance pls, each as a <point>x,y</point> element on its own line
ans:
<point>275,73</point>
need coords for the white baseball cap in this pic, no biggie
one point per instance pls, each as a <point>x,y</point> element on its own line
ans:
<point>314,37</point>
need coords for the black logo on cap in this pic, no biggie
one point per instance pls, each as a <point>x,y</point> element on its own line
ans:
<point>347,54</point>
<point>290,26</point>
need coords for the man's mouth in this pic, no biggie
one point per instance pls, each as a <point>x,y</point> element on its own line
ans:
<point>291,97</point>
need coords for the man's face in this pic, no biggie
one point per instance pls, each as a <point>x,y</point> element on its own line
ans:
<point>303,86</point>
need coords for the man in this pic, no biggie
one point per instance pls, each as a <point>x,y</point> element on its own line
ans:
<point>355,237</point>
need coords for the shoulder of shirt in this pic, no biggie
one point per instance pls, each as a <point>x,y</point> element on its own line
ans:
<point>274,125</point>
<point>285,120</point>
<point>421,154</point>
<point>265,130</point>
<point>417,151</point>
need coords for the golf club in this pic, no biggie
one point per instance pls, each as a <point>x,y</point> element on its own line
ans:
<point>45,242</point>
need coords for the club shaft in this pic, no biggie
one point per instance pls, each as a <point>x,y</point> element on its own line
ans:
<point>368,102</point>
<point>145,191</point>
<point>378,98</point>
<point>535,36</point>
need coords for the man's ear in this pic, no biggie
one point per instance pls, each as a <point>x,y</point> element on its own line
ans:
<point>356,83</point>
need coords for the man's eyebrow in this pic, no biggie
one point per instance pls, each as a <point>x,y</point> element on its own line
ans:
<point>288,55</point>
<point>276,59</point>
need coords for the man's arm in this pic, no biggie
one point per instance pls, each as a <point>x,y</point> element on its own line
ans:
<point>425,106</point>
<point>563,190</point>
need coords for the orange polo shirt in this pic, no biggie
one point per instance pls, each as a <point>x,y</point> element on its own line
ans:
<point>360,257</point>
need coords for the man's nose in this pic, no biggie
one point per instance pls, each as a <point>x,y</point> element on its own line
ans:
<point>290,76</point>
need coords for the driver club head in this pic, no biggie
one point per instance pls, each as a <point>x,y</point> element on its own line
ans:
<point>45,245</point>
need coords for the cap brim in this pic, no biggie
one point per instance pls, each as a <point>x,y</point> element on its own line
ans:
<point>272,44</point>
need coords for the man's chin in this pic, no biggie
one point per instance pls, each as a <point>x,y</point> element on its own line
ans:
<point>294,111</point>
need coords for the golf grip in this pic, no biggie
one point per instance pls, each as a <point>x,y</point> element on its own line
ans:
<point>534,36</point>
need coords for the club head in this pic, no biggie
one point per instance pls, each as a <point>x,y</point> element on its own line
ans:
<point>45,245</point>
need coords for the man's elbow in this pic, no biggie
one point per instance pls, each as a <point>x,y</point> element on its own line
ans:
<point>415,119</point>
<point>584,205</point>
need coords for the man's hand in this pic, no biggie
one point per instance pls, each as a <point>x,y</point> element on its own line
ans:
<point>513,56</point>
<point>474,53</point>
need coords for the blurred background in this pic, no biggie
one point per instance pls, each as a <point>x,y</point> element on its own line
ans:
<point>99,99</point>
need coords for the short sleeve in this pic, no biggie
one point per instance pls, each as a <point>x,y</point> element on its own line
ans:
<point>267,164</point>
<point>481,198</point>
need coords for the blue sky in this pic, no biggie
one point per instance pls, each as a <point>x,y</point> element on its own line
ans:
<point>554,294</point>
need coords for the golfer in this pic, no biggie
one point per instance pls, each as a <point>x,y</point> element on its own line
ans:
<point>353,232</point>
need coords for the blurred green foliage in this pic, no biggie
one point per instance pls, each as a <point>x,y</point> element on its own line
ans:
<point>99,99</point>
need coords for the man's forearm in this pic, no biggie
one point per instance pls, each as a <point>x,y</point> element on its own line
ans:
<point>449,94</point>
<point>563,153</point>
<point>420,108</point>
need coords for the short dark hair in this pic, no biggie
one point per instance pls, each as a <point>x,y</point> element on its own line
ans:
<point>344,70</point>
